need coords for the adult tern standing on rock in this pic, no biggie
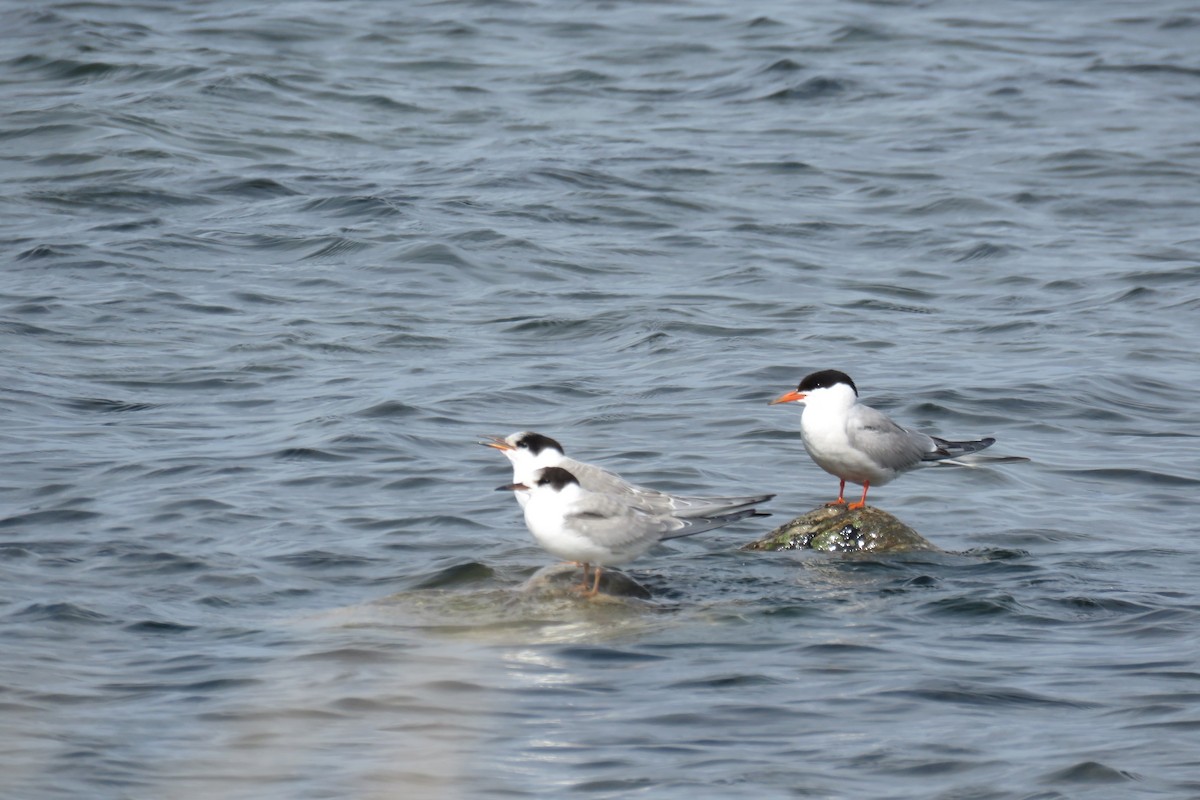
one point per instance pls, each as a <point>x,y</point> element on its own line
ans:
<point>860,444</point>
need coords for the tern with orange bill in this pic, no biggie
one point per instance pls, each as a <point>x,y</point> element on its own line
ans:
<point>861,445</point>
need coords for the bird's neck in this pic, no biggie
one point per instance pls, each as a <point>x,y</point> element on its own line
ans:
<point>826,412</point>
<point>548,458</point>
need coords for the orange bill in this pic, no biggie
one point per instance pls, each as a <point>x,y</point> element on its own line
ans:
<point>787,397</point>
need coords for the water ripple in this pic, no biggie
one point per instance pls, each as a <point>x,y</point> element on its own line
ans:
<point>273,269</point>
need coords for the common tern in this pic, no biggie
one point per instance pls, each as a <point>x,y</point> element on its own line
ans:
<point>529,452</point>
<point>597,529</point>
<point>860,444</point>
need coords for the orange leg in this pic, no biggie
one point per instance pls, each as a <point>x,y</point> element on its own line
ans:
<point>861,503</point>
<point>595,584</point>
<point>585,565</point>
<point>841,501</point>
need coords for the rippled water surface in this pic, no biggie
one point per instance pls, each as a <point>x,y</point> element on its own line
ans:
<point>270,270</point>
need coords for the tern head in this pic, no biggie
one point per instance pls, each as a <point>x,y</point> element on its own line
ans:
<point>826,384</point>
<point>528,450</point>
<point>547,479</point>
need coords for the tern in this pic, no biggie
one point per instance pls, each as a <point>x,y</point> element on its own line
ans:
<point>860,444</point>
<point>597,529</point>
<point>529,452</point>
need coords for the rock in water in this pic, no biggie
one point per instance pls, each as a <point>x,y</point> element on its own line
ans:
<point>564,580</point>
<point>837,529</point>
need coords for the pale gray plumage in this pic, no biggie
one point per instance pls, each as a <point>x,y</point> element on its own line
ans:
<point>615,525</point>
<point>862,445</point>
<point>529,451</point>
<point>600,529</point>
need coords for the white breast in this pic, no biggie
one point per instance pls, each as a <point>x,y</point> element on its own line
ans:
<point>825,438</point>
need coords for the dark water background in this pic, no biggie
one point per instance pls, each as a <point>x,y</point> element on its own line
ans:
<point>270,269</point>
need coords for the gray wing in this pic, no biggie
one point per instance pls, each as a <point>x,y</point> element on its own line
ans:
<point>681,506</point>
<point>946,449</point>
<point>889,445</point>
<point>598,479</point>
<point>610,521</point>
<point>692,525</point>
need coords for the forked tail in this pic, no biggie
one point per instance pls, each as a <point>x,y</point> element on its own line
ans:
<point>962,454</point>
<point>947,449</point>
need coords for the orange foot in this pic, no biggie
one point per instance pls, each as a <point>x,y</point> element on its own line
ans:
<point>862,503</point>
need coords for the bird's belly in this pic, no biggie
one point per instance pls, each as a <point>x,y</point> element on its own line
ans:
<point>571,546</point>
<point>835,455</point>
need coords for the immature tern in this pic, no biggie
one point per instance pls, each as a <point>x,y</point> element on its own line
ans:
<point>529,452</point>
<point>861,445</point>
<point>597,529</point>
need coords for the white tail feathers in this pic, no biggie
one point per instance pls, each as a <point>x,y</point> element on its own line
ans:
<point>977,460</point>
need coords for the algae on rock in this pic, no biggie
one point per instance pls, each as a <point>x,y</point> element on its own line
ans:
<point>839,529</point>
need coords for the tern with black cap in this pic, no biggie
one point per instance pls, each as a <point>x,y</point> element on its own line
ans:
<point>529,451</point>
<point>600,530</point>
<point>861,445</point>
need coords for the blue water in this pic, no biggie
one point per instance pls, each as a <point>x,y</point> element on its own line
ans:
<point>270,270</point>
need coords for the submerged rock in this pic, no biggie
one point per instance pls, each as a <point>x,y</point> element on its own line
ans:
<point>837,529</point>
<point>565,580</point>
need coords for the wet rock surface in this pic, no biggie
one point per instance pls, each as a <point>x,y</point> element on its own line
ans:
<point>838,529</point>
